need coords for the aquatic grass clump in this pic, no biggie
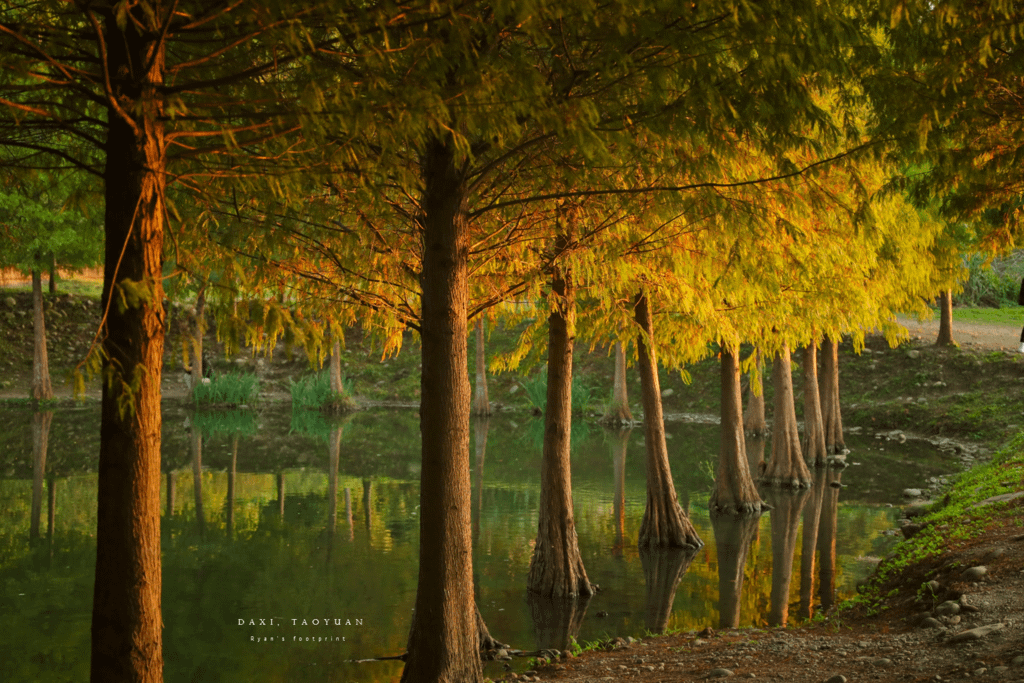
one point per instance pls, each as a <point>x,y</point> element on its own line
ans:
<point>314,392</point>
<point>536,388</point>
<point>233,388</point>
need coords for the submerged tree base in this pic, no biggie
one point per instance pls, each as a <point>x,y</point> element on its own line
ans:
<point>739,510</point>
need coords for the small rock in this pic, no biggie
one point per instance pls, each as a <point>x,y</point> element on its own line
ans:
<point>911,493</point>
<point>975,573</point>
<point>948,608</point>
<point>1017,661</point>
<point>934,586</point>
<point>667,393</point>
<point>930,622</point>
<point>994,554</point>
<point>719,673</point>
<point>979,672</point>
<point>998,670</point>
<point>838,678</point>
<point>999,499</point>
<point>913,354</point>
<point>976,633</point>
<point>918,509</point>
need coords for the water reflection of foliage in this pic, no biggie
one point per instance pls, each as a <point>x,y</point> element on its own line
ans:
<point>218,422</point>
<point>316,425</point>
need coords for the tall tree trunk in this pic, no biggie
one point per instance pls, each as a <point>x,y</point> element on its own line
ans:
<point>814,429</point>
<point>808,544</point>
<point>41,387</point>
<point>556,568</point>
<point>53,274</point>
<point>444,638</point>
<point>198,329</point>
<point>126,613</point>
<point>754,422</point>
<point>831,414</point>
<point>481,406</point>
<point>786,467</point>
<point>945,337</point>
<point>40,444</point>
<point>664,523</point>
<point>785,516</point>
<point>334,369</point>
<point>734,492</point>
<point>618,410</point>
<point>733,536</point>
<point>663,569</point>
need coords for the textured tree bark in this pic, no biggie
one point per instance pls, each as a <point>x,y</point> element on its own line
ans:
<point>41,421</point>
<point>831,413</point>
<point>556,567</point>
<point>827,539</point>
<point>198,330</point>
<point>663,568</point>
<point>785,515</point>
<point>754,422</point>
<point>945,337</point>
<point>126,615</point>
<point>53,274</point>
<point>814,428</point>
<point>786,467</point>
<point>664,523</point>
<point>481,406</point>
<point>334,369</point>
<point>41,388</point>
<point>444,638</point>
<point>808,544</point>
<point>618,410</point>
<point>755,455</point>
<point>733,536</point>
<point>734,491</point>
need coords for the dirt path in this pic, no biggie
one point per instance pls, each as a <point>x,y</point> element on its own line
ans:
<point>991,336</point>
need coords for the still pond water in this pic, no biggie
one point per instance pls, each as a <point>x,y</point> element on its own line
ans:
<point>264,518</point>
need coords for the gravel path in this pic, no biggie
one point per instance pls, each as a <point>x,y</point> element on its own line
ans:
<point>991,336</point>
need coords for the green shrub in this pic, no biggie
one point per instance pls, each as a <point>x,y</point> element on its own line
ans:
<point>994,285</point>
